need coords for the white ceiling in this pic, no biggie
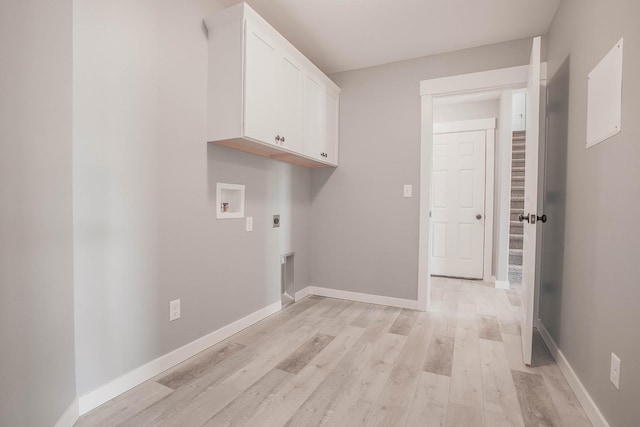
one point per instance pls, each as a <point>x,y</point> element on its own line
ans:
<point>339,35</point>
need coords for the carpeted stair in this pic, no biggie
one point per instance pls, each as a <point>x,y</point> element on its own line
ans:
<point>517,207</point>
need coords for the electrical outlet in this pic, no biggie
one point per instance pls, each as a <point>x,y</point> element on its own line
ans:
<point>249,223</point>
<point>174,310</point>
<point>614,374</point>
<point>408,190</point>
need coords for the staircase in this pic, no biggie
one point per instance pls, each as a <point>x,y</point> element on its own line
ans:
<point>516,228</point>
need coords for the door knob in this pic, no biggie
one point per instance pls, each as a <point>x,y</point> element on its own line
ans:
<point>478,216</point>
<point>282,139</point>
<point>277,137</point>
<point>542,218</point>
<point>523,218</point>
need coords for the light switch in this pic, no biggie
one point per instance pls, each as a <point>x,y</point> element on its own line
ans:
<point>408,190</point>
<point>249,223</point>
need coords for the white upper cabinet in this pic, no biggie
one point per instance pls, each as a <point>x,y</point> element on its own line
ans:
<point>332,128</point>
<point>261,71</point>
<point>264,96</point>
<point>314,118</point>
<point>289,112</point>
<point>320,122</point>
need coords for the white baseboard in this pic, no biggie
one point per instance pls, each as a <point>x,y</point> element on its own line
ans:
<point>502,284</point>
<point>70,416</point>
<point>303,293</point>
<point>368,298</point>
<point>590,408</point>
<point>139,375</point>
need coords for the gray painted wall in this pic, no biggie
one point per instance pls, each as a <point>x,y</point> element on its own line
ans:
<point>365,234</point>
<point>145,181</point>
<point>36,254</point>
<point>589,300</point>
<point>466,111</point>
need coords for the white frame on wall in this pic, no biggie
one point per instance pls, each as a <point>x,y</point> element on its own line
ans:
<point>238,191</point>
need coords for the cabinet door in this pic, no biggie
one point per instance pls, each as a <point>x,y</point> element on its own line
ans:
<point>261,61</point>
<point>332,124</point>
<point>314,118</point>
<point>289,98</point>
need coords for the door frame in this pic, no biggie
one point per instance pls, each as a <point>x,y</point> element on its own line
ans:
<point>488,126</point>
<point>499,79</point>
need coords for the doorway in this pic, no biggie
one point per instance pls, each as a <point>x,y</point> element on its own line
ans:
<point>530,77</point>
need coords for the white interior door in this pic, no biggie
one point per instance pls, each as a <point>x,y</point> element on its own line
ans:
<point>458,204</point>
<point>530,202</point>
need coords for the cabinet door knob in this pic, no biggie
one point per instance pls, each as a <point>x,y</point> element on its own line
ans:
<point>282,139</point>
<point>277,137</point>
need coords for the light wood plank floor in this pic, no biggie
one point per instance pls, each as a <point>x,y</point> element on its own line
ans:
<point>330,362</point>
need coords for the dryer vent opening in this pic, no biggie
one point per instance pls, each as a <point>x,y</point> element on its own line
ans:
<point>287,289</point>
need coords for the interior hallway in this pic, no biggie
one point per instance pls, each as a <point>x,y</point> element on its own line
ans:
<point>331,362</point>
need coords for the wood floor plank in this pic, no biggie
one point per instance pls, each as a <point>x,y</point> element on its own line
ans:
<point>191,371</point>
<point>564,399</point>
<point>115,411</point>
<point>289,398</point>
<point>324,400</point>
<point>446,313</point>
<point>498,391</point>
<point>486,301</point>
<point>439,355</point>
<point>446,327</point>
<point>335,307</point>
<point>509,321</point>
<point>513,350</point>
<point>515,300</point>
<point>464,416</point>
<point>321,403</point>
<point>466,376</point>
<point>535,403</point>
<point>246,367</point>
<point>429,407</point>
<point>303,354</point>
<point>263,359</point>
<point>360,397</point>
<point>248,403</point>
<point>404,322</point>
<point>365,318</point>
<point>488,328</point>
<point>345,317</point>
<point>306,308</point>
<point>395,399</point>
